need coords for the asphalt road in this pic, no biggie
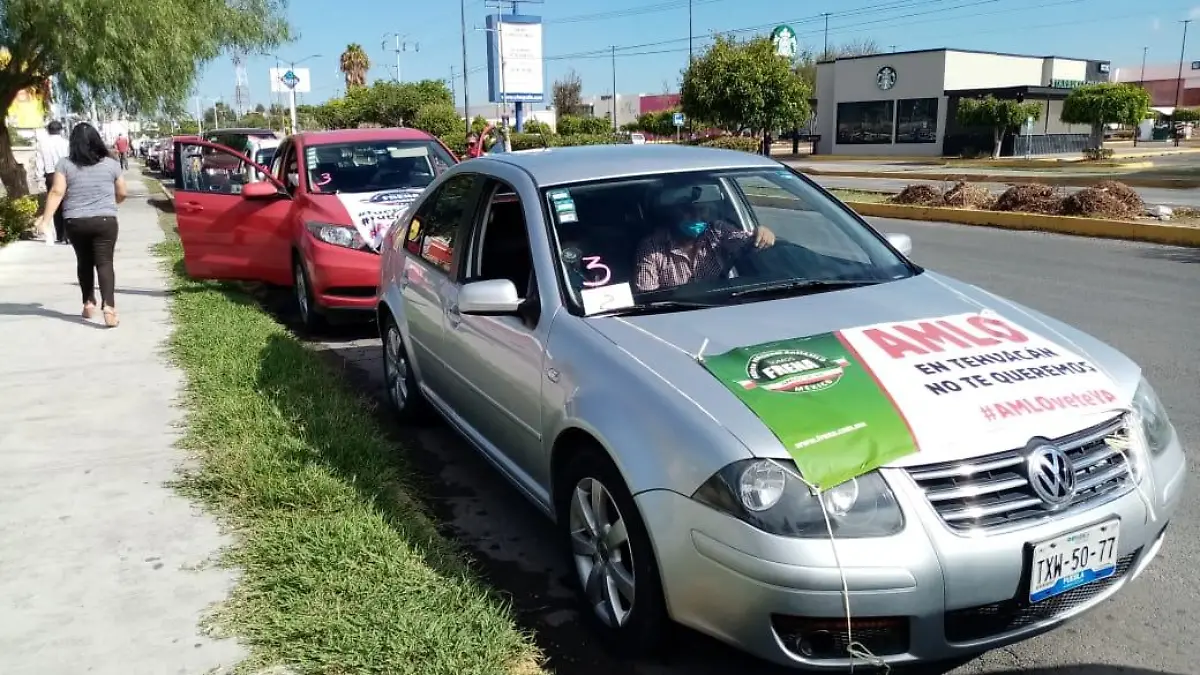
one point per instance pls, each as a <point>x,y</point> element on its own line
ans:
<point>1152,196</point>
<point>1141,298</point>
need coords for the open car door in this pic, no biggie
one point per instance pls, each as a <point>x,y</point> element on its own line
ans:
<point>231,214</point>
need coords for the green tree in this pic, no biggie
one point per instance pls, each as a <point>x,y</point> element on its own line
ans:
<point>1186,115</point>
<point>999,115</point>
<point>438,119</point>
<point>567,95</point>
<point>744,86</point>
<point>572,124</point>
<point>479,124</point>
<point>255,120</point>
<point>98,50</point>
<point>1106,103</point>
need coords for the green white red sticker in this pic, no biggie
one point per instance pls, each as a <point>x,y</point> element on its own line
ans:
<point>848,402</point>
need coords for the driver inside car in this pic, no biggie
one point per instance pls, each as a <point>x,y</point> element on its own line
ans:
<point>694,246</point>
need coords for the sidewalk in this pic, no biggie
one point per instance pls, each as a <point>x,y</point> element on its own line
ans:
<point>98,559</point>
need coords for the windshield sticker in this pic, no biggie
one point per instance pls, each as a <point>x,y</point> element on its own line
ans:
<point>373,214</point>
<point>874,394</point>
<point>414,229</point>
<point>606,298</point>
<point>564,206</point>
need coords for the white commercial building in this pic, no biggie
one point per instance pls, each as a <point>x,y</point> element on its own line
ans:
<point>906,103</point>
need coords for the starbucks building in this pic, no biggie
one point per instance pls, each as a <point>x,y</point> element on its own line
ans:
<point>905,103</point>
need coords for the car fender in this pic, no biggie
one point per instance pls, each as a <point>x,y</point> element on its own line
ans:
<point>657,437</point>
<point>390,301</point>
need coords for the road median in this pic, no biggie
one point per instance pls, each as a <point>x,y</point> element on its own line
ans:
<point>1075,180</point>
<point>1158,233</point>
<point>341,567</point>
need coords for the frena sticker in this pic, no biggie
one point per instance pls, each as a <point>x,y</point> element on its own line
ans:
<point>792,370</point>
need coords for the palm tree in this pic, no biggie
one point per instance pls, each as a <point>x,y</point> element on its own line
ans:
<point>354,64</point>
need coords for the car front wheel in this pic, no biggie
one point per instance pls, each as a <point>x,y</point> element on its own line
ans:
<point>310,315</point>
<point>615,568</point>
<point>399,379</point>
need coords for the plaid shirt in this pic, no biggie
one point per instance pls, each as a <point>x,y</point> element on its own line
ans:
<point>663,263</point>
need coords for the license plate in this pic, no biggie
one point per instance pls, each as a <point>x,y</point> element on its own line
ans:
<point>1073,560</point>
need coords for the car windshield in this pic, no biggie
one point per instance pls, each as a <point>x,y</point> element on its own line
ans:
<point>709,238</point>
<point>372,166</point>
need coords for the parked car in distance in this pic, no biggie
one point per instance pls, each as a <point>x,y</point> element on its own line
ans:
<point>157,153</point>
<point>170,154</point>
<point>312,220</point>
<point>803,440</point>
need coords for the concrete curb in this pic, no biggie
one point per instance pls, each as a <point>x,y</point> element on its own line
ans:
<point>1086,227</point>
<point>1066,181</point>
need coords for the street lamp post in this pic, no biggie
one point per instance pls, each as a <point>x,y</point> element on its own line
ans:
<point>462,9</point>
<point>1179,83</point>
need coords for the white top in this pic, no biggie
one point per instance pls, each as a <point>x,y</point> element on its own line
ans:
<point>51,149</point>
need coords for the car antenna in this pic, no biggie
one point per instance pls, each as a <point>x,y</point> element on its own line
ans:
<point>699,355</point>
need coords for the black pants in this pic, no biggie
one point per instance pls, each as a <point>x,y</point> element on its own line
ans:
<point>60,232</point>
<point>94,240</point>
<point>124,159</point>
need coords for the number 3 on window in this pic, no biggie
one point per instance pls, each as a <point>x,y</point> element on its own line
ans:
<point>594,264</point>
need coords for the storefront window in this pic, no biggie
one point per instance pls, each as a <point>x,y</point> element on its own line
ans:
<point>865,122</point>
<point>916,120</point>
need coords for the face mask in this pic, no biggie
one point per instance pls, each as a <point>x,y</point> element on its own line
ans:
<point>293,179</point>
<point>692,230</point>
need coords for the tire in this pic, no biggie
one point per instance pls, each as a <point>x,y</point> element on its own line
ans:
<point>644,628</point>
<point>399,379</point>
<point>311,319</point>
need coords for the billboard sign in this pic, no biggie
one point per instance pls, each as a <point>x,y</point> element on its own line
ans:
<point>284,80</point>
<point>515,41</point>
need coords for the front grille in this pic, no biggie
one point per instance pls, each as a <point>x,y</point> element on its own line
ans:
<point>977,623</point>
<point>993,492</point>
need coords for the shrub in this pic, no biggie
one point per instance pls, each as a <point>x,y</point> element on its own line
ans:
<point>16,217</point>
<point>571,125</point>
<point>919,195</point>
<point>456,142</point>
<point>534,127</point>
<point>743,143</point>
<point>438,119</point>
<point>1097,154</point>
<point>1030,198</point>
<point>534,141</point>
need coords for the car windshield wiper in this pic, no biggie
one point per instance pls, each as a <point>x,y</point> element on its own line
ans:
<point>659,306</point>
<point>795,286</point>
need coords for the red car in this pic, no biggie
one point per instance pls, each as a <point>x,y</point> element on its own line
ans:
<point>168,161</point>
<point>317,220</point>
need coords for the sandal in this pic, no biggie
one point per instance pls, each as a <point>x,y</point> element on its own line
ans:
<point>89,310</point>
<point>110,317</point>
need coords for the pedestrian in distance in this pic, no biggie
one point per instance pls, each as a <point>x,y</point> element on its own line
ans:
<point>89,184</point>
<point>122,148</point>
<point>52,149</point>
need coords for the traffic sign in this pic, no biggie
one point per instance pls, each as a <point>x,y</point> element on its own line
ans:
<point>679,119</point>
<point>290,79</point>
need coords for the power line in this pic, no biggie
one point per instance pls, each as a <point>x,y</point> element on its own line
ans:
<point>623,13</point>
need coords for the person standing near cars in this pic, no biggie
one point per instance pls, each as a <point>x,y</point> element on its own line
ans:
<point>122,148</point>
<point>89,184</point>
<point>52,149</point>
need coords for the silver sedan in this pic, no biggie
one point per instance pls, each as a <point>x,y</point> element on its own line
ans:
<point>748,412</point>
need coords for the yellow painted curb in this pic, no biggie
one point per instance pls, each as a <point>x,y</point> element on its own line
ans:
<point>1086,227</point>
<point>1072,181</point>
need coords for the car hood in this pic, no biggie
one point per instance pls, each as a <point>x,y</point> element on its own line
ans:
<point>668,343</point>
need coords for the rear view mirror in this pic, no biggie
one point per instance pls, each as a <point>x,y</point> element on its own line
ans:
<point>900,242</point>
<point>260,190</point>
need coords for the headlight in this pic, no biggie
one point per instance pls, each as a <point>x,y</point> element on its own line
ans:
<point>765,495</point>
<point>337,235</point>
<point>1156,427</point>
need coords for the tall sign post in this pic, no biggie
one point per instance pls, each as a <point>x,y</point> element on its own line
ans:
<point>291,81</point>
<point>679,120</point>
<point>515,64</point>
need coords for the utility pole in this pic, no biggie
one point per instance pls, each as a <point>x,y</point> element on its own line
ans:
<point>402,45</point>
<point>462,9</point>
<point>453,89</point>
<point>826,53</point>
<point>614,87</point>
<point>1142,81</point>
<point>893,48</point>
<point>690,57</point>
<point>1179,82</point>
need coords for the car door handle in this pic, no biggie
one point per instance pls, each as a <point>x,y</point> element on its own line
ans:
<point>404,279</point>
<point>453,315</point>
<point>192,207</point>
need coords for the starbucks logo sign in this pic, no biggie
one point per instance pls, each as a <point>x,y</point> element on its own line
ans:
<point>886,78</point>
<point>793,371</point>
<point>786,44</point>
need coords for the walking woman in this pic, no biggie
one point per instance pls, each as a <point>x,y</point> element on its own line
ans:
<point>88,183</point>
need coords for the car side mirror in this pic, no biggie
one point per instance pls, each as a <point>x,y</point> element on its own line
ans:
<point>900,242</point>
<point>489,297</point>
<point>260,190</point>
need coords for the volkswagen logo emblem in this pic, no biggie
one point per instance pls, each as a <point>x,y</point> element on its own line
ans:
<point>1051,476</point>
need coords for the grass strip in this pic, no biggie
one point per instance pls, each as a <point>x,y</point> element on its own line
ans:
<point>341,569</point>
<point>860,196</point>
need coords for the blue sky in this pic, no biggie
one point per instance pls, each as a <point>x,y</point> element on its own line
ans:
<point>651,36</point>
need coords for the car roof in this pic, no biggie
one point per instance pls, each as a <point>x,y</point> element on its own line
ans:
<point>360,135</point>
<point>248,131</point>
<point>557,166</point>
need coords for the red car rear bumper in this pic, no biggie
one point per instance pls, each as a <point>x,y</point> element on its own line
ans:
<point>341,278</point>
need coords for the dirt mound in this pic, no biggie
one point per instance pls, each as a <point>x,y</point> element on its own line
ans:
<point>919,195</point>
<point>1124,193</point>
<point>968,196</point>
<point>1030,198</point>
<point>1095,202</point>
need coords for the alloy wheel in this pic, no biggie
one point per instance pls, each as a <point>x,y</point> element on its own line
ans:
<point>395,365</point>
<point>302,292</point>
<point>602,553</point>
